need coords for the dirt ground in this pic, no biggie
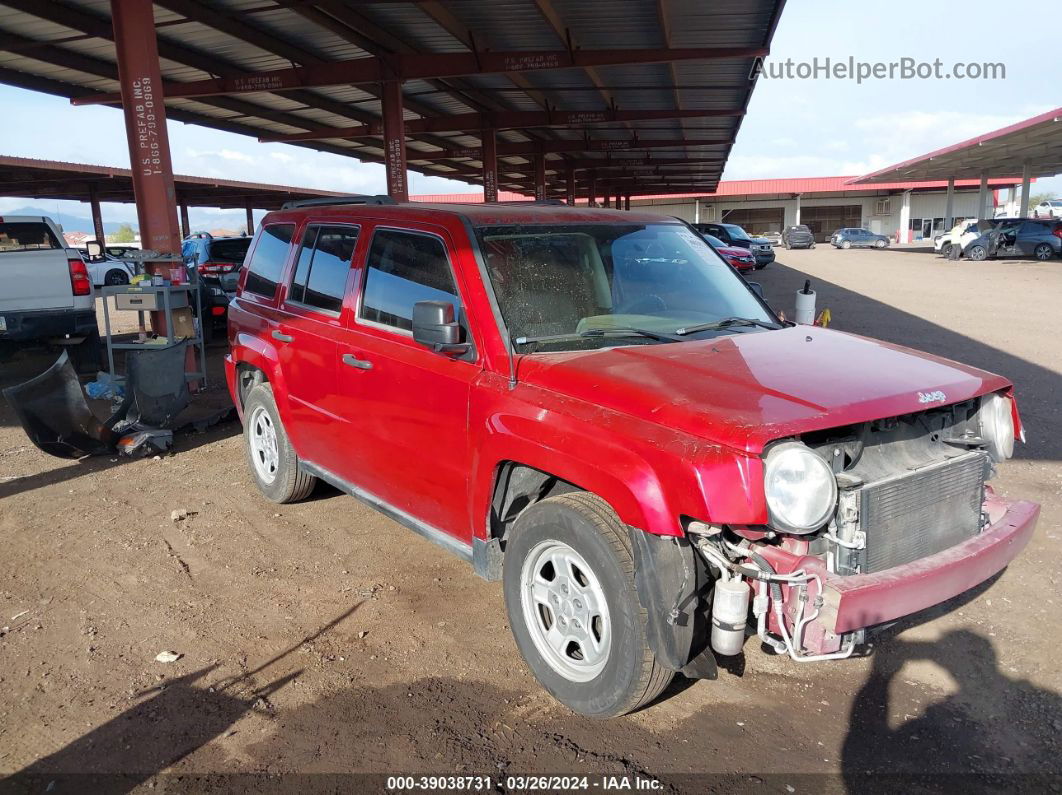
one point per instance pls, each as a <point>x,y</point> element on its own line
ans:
<point>322,638</point>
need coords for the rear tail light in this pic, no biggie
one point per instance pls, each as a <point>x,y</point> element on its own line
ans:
<point>217,310</point>
<point>80,282</point>
<point>218,267</point>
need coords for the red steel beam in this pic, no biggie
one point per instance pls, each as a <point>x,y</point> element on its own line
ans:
<point>502,120</point>
<point>551,147</point>
<point>97,214</point>
<point>145,125</point>
<point>490,165</point>
<point>413,66</point>
<point>394,141</point>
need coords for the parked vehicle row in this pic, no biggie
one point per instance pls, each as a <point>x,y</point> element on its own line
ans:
<point>590,406</point>
<point>734,235</point>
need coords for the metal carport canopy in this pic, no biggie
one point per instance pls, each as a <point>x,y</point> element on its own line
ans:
<point>51,179</point>
<point>561,80</point>
<point>1032,147</point>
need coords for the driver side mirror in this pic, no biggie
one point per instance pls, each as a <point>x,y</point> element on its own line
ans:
<point>95,248</point>
<point>435,327</point>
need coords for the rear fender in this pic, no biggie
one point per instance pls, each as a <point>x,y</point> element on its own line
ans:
<point>252,350</point>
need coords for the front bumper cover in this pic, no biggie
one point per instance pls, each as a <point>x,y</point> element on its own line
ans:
<point>865,600</point>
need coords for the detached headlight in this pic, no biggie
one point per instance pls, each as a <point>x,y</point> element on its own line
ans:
<point>996,421</point>
<point>800,488</point>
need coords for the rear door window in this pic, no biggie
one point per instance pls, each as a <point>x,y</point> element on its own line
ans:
<point>266,267</point>
<point>26,236</point>
<point>320,278</point>
<point>403,268</point>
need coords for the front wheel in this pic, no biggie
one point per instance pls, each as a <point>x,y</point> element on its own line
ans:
<point>274,464</point>
<point>846,244</point>
<point>879,244</point>
<point>1043,252</point>
<point>574,610</point>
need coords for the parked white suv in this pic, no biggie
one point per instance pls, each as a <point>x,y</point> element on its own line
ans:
<point>1052,208</point>
<point>943,242</point>
<point>45,289</point>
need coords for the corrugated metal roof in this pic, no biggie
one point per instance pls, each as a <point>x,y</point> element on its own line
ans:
<point>64,47</point>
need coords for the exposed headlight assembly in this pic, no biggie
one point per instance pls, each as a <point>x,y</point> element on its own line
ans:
<point>996,421</point>
<point>800,488</point>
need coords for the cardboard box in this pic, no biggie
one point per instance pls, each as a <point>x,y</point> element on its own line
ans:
<point>183,322</point>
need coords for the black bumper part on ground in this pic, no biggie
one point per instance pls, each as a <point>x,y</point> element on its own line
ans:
<point>48,324</point>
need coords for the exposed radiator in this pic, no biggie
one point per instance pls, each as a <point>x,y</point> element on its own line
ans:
<point>917,514</point>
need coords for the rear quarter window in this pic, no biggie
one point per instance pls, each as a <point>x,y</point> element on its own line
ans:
<point>26,236</point>
<point>266,267</point>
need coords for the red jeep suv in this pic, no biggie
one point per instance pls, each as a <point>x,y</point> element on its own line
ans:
<point>592,407</point>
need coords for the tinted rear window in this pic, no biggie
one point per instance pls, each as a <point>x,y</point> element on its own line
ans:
<point>229,250</point>
<point>26,236</point>
<point>267,263</point>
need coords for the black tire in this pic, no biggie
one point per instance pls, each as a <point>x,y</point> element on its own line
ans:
<point>977,253</point>
<point>630,676</point>
<point>846,244</point>
<point>880,244</point>
<point>945,251</point>
<point>290,483</point>
<point>812,246</point>
<point>116,277</point>
<point>1043,252</point>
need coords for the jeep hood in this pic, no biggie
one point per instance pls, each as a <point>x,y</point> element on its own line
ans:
<point>747,389</point>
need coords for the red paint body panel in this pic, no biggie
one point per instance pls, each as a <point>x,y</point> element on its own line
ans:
<point>660,432</point>
<point>732,254</point>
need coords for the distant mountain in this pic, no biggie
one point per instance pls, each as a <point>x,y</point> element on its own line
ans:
<point>71,223</point>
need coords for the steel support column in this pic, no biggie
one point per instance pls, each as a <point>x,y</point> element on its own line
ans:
<point>186,227</point>
<point>394,141</point>
<point>490,165</point>
<point>796,210</point>
<point>1023,210</point>
<point>982,196</point>
<point>540,178</point>
<point>145,124</point>
<point>97,214</point>
<point>627,202</point>
<point>570,186</point>
<point>250,217</point>
<point>949,204</point>
<point>591,196</point>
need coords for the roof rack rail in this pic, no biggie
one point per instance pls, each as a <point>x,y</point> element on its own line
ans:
<point>324,201</point>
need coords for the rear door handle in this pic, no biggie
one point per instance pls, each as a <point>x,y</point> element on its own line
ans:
<point>279,337</point>
<point>354,361</point>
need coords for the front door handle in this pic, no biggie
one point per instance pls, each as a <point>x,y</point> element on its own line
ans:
<point>279,337</point>
<point>354,361</point>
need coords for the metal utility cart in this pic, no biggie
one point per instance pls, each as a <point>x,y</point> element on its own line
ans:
<point>146,297</point>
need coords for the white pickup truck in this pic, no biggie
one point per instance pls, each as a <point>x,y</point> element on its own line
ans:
<point>45,290</point>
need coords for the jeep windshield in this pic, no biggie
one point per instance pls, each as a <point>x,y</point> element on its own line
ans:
<point>584,286</point>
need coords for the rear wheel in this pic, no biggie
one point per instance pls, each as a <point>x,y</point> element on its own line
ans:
<point>274,464</point>
<point>977,253</point>
<point>1043,252</point>
<point>574,610</point>
<point>116,277</point>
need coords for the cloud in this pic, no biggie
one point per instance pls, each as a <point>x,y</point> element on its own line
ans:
<point>223,154</point>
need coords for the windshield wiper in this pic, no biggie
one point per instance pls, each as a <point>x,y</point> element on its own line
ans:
<point>598,332</point>
<point>726,322</point>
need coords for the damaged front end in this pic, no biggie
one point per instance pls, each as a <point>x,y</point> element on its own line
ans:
<point>868,524</point>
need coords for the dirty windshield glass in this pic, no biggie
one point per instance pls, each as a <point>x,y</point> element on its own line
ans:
<point>617,284</point>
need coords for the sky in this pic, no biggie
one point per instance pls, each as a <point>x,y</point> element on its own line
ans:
<point>794,128</point>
